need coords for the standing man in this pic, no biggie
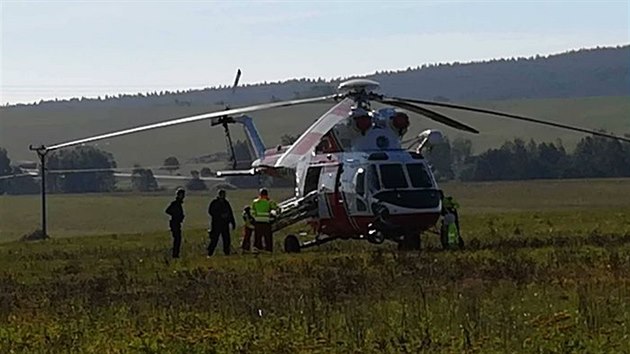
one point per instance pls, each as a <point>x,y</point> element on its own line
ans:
<point>262,208</point>
<point>451,206</point>
<point>451,236</point>
<point>176,211</point>
<point>222,217</point>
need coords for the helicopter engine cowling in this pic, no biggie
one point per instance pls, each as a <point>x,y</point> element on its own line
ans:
<point>429,138</point>
<point>399,122</point>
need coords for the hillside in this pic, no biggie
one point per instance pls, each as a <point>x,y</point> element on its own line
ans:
<point>150,148</point>
<point>581,73</point>
<point>509,85</point>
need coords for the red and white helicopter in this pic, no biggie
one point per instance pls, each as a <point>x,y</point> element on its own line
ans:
<point>353,177</point>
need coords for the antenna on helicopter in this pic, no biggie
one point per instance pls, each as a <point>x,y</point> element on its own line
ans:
<point>226,120</point>
<point>238,77</point>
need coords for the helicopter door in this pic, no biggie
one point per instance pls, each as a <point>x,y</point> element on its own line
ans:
<point>360,205</point>
<point>326,192</point>
<point>312,179</point>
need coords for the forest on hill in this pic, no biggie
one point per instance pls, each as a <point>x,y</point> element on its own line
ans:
<point>593,157</point>
<point>578,73</point>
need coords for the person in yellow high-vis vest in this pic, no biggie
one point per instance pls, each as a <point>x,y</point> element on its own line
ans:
<point>261,209</point>
<point>450,223</point>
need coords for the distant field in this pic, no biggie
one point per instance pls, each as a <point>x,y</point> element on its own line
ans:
<point>546,270</point>
<point>598,201</point>
<point>24,126</point>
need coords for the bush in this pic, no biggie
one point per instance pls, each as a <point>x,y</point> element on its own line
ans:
<point>36,235</point>
<point>226,186</point>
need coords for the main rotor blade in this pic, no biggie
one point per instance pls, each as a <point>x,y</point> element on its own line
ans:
<point>514,116</point>
<point>438,117</point>
<point>189,119</point>
<point>307,142</point>
<point>238,77</point>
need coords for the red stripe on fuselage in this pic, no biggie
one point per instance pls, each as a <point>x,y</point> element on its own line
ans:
<point>309,142</point>
<point>339,224</point>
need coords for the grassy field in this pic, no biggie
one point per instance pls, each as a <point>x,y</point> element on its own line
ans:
<point>21,127</point>
<point>95,214</point>
<point>546,269</point>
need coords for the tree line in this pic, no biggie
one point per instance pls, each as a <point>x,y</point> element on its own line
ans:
<point>86,169</point>
<point>593,157</point>
<point>579,73</point>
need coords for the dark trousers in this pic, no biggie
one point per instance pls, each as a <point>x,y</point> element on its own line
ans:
<point>215,231</point>
<point>262,231</point>
<point>176,232</point>
<point>247,238</point>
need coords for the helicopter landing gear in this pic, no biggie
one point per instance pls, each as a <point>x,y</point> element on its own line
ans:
<point>292,244</point>
<point>409,242</point>
<point>375,237</point>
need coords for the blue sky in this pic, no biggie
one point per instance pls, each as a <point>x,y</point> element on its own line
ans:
<point>88,48</point>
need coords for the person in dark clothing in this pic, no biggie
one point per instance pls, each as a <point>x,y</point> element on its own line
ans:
<point>176,211</point>
<point>248,228</point>
<point>222,217</point>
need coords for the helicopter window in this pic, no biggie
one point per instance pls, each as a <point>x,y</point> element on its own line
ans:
<point>360,185</point>
<point>312,179</point>
<point>393,176</point>
<point>361,206</point>
<point>419,176</point>
<point>372,178</point>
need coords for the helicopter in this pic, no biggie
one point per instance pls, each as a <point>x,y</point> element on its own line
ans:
<point>355,174</point>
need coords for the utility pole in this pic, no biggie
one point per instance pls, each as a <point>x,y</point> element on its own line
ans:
<point>41,152</point>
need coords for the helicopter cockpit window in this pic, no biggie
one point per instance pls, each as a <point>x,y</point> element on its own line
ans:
<point>360,184</point>
<point>419,176</point>
<point>393,176</point>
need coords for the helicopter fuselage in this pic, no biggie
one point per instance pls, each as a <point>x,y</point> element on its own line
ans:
<point>356,190</point>
<point>353,178</point>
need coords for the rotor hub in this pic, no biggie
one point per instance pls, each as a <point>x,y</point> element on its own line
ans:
<point>358,85</point>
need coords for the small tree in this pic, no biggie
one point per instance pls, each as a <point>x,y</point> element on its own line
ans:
<point>441,159</point>
<point>23,184</point>
<point>206,172</point>
<point>82,158</point>
<point>5,163</point>
<point>142,180</point>
<point>196,184</point>
<point>288,139</point>
<point>171,164</point>
<point>5,168</point>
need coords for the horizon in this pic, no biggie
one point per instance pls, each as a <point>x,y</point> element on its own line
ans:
<point>328,80</point>
<point>63,50</point>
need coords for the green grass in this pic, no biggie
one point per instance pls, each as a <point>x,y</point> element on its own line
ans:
<point>124,213</point>
<point>545,270</point>
<point>98,214</point>
<point>21,127</point>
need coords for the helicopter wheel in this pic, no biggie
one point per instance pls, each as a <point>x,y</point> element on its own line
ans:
<point>409,242</point>
<point>291,244</point>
